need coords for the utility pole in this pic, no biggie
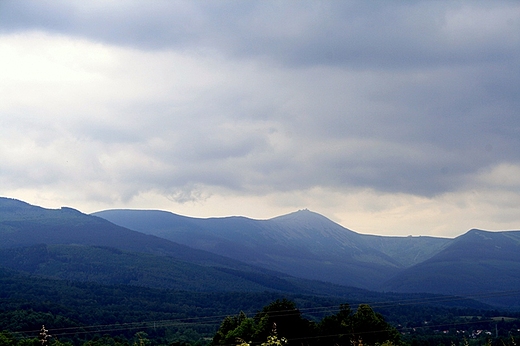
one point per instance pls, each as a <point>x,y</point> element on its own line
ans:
<point>44,336</point>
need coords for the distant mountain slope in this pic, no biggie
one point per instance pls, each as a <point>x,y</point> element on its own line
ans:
<point>322,232</point>
<point>407,251</point>
<point>476,263</point>
<point>66,244</point>
<point>109,266</point>
<point>115,267</point>
<point>22,224</point>
<point>303,244</point>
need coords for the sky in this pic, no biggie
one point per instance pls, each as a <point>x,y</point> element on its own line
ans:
<point>388,117</point>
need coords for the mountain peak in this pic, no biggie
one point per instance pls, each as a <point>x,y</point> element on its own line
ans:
<point>301,215</point>
<point>305,223</point>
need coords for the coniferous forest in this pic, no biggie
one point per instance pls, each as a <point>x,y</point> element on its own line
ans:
<point>92,314</point>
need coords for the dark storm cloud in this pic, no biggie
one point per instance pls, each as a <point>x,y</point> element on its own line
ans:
<point>401,96</point>
<point>359,33</point>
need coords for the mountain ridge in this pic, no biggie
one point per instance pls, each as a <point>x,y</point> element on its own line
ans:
<point>22,224</point>
<point>309,245</point>
<point>78,248</point>
<point>303,243</point>
<point>278,253</point>
<point>477,263</point>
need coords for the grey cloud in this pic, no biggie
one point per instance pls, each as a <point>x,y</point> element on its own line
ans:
<point>131,23</point>
<point>394,96</point>
<point>360,34</point>
<point>420,138</point>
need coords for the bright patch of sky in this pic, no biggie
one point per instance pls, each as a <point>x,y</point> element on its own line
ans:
<point>390,117</point>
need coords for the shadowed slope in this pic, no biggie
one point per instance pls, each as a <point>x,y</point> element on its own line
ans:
<point>476,263</point>
<point>303,243</point>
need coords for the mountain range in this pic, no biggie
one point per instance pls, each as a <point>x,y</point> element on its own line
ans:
<point>480,264</point>
<point>300,253</point>
<point>304,244</point>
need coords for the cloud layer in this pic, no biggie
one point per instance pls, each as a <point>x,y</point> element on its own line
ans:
<point>393,118</point>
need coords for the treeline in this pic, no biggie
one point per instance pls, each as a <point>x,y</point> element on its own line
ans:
<point>78,313</point>
<point>282,320</point>
<point>278,323</point>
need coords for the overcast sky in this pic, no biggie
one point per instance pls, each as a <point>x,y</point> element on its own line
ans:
<point>388,117</point>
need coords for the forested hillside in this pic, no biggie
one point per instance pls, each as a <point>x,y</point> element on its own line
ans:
<point>479,263</point>
<point>92,282</point>
<point>303,244</point>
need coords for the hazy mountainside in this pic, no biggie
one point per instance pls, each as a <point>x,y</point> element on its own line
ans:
<point>111,266</point>
<point>64,269</point>
<point>407,251</point>
<point>22,224</point>
<point>241,254</point>
<point>316,230</point>
<point>66,244</point>
<point>480,263</point>
<point>303,244</point>
<point>308,245</point>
